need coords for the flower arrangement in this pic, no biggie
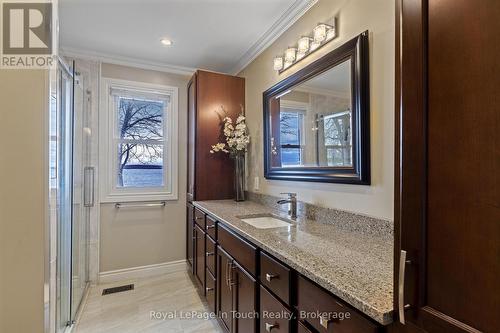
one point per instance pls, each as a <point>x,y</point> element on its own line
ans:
<point>236,136</point>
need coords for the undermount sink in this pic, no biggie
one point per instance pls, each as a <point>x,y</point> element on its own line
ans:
<point>265,221</point>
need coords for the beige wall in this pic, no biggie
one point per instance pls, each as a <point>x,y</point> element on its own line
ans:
<point>23,208</point>
<point>354,17</point>
<point>139,237</point>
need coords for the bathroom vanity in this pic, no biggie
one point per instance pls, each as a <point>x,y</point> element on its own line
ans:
<point>303,276</point>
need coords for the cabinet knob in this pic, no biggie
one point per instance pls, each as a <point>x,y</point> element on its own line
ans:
<point>269,277</point>
<point>211,226</point>
<point>324,320</point>
<point>209,289</point>
<point>199,218</point>
<point>269,327</point>
<point>208,254</point>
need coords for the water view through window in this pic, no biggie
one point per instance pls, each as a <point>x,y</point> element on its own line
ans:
<point>140,144</point>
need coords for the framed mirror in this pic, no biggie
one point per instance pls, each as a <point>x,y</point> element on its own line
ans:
<point>316,121</point>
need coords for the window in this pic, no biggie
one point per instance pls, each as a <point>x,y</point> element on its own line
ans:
<point>140,155</point>
<point>337,131</point>
<point>291,136</point>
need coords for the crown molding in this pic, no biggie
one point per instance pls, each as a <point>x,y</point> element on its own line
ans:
<point>125,61</point>
<point>289,17</point>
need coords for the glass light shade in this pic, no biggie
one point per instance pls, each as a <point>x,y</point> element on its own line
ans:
<point>319,32</point>
<point>290,54</point>
<point>300,55</point>
<point>303,44</point>
<point>278,63</point>
<point>331,33</point>
<point>287,64</point>
<point>315,45</point>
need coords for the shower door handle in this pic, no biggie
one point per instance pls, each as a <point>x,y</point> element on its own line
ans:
<point>88,186</point>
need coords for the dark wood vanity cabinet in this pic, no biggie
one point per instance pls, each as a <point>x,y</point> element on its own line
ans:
<point>236,293</point>
<point>239,278</point>
<point>190,235</point>
<point>207,93</point>
<point>333,314</point>
<point>270,305</point>
<point>276,277</point>
<point>225,295</point>
<point>200,250</point>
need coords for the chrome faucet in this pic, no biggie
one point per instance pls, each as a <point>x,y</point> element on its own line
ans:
<point>292,200</point>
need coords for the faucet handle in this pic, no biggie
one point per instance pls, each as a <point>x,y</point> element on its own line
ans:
<point>290,194</point>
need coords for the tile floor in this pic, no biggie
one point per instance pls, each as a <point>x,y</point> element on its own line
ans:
<point>130,311</point>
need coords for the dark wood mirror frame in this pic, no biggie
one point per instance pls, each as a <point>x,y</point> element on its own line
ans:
<point>359,173</point>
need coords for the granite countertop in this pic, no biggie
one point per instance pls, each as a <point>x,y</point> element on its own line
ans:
<point>355,266</point>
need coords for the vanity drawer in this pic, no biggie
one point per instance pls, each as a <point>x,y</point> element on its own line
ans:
<point>274,316</point>
<point>211,255</point>
<point>210,222</point>
<point>275,276</point>
<point>199,218</point>
<point>243,252</point>
<point>210,290</point>
<point>312,300</point>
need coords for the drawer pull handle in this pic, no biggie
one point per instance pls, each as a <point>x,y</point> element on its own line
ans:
<point>228,263</point>
<point>401,287</point>
<point>198,218</point>
<point>211,226</point>
<point>209,289</point>
<point>269,327</point>
<point>324,321</point>
<point>231,281</point>
<point>269,277</point>
<point>208,254</point>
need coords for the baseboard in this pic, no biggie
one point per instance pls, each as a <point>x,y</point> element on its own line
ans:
<point>142,271</point>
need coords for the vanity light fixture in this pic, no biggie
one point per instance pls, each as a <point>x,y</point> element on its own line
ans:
<point>303,44</point>
<point>290,54</point>
<point>315,46</point>
<point>321,35</point>
<point>278,63</point>
<point>300,55</point>
<point>320,32</point>
<point>166,41</point>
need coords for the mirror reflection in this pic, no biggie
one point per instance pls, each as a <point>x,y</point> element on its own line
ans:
<point>311,123</point>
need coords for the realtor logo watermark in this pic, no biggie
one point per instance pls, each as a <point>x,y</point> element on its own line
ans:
<point>27,35</point>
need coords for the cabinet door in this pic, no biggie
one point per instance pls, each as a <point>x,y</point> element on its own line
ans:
<point>200,256</point>
<point>245,288</point>
<point>448,165</point>
<point>191,139</point>
<point>224,290</point>
<point>189,237</point>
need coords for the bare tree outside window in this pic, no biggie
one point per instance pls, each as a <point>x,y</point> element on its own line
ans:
<point>140,148</point>
<point>290,138</point>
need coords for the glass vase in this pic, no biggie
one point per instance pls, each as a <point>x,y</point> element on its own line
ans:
<point>239,177</point>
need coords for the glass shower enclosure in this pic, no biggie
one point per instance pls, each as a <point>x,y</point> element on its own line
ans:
<point>72,180</point>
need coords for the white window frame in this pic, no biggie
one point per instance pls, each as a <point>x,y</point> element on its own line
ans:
<point>108,153</point>
<point>302,109</point>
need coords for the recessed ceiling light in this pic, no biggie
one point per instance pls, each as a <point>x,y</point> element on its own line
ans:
<point>166,41</point>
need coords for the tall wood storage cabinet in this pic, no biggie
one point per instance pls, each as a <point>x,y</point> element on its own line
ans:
<point>211,97</point>
<point>447,199</point>
<point>210,176</point>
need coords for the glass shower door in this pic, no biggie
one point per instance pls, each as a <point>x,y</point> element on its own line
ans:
<point>82,186</point>
<point>74,193</point>
<point>64,167</point>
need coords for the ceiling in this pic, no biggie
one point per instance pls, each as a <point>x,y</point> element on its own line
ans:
<point>218,35</point>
